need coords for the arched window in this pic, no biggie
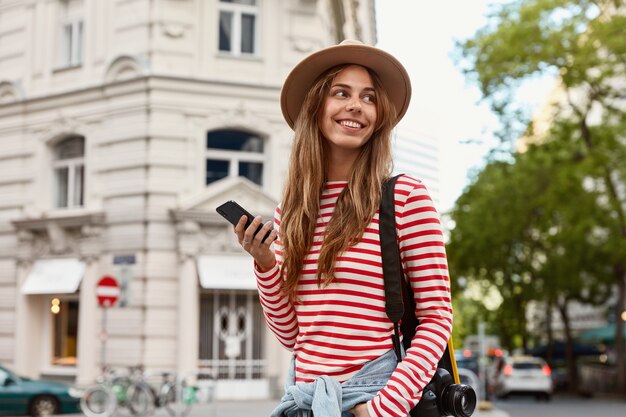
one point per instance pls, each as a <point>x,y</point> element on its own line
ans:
<point>69,172</point>
<point>234,153</point>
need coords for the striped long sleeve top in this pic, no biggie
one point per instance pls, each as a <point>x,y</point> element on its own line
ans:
<point>335,330</point>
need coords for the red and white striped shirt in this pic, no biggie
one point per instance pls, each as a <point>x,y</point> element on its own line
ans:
<point>336,329</point>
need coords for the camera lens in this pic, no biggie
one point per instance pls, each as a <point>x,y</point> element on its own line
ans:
<point>458,400</point>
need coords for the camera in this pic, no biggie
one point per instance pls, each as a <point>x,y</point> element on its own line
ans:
<point>441,397</point>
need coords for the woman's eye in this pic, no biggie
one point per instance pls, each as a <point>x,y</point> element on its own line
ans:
<point>340,93</point>
<point>369,98</point>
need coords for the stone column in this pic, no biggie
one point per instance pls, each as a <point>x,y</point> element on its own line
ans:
<point>26,358</point>
<point>188,297</point>
<point>88,337</point>
<point>88,323</point>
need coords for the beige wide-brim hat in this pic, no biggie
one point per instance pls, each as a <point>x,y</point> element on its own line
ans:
<point>392,74</point>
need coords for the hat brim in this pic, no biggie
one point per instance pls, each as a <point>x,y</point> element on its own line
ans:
<point>392,74</point>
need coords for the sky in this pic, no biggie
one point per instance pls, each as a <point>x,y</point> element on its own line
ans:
<point>444,105</point>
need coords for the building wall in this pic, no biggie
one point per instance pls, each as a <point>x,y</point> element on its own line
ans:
<point>417,154</point>
<point>150,85</point>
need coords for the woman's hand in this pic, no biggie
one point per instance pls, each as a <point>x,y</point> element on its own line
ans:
<point>360,410</point>
<point>252,243</point>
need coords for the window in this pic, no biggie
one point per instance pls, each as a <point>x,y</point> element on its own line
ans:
<point>238,26</point>
<point>234,153</point>
<point>69,172</point>
<point>71,39</point>
<point>231,334</point>
<point>64,331</point>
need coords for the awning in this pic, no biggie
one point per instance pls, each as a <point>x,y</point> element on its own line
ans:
<point>604,334</point>
<point>54,276</point>
<point>226,272</point>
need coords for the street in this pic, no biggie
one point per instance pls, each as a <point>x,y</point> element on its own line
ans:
<point>563,406</point>
<point>560,406</point>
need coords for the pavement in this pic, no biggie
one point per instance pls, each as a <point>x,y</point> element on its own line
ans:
<point>263,408</point>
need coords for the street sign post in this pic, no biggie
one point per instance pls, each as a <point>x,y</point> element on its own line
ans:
<point>107,293</point>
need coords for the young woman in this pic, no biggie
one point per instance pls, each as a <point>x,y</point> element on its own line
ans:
<point>319,272</point>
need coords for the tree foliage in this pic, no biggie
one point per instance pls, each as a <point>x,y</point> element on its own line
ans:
<point>550,223</point>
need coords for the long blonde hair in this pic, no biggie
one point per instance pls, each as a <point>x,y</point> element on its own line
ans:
<point>356,204</point>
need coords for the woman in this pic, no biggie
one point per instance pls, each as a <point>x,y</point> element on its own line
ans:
<point>319,272</point>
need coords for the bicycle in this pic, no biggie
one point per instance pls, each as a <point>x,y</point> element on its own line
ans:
<point>140,397</point>
<point>178,394</point>
<point>113,391</point>
<point>101,399</point>
<point>171,391</point>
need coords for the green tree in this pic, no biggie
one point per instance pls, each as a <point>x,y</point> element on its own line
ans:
<point>528,229</point>
<point>583,42</point>
<point>484,245</point>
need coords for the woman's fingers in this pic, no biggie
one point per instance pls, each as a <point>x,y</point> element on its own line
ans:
<point>263,236</point>
<point>249,235</point>
<point>240,228</point>
<point>271,237</point>
<point>254,241</point>
<point>256,234</point>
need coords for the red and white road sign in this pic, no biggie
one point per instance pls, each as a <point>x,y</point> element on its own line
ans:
<point>107,291</point>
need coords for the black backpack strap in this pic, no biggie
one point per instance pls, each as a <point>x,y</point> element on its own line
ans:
<point>400,303</point>
<point>390,254</point>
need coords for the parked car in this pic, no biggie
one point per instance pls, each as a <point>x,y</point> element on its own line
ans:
<point>465,359</point>
<point>523,375</point>
<point>39,398</point>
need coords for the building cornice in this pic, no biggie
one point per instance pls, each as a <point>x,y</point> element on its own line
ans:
<point>62,220</point>
<point>201,217</point>
<point>123,87</point>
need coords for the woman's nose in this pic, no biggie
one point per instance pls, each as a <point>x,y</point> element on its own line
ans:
<point>354,104</point>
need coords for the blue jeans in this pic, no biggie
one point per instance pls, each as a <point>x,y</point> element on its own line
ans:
<point>325,397</point>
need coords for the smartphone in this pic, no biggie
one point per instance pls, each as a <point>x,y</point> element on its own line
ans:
<point>232,212</point>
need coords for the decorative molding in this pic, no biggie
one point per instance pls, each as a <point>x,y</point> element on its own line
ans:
<point>10,92</point>
<point>91,245</point>
<point>76,235</point>
<point>188,239</point>
<point>126,67</point>
<point>242,118</point>
<point>60,128</point>
<point>58,239</point>
<point>25,247</point>
<point>202,206</point>
<point>219,239</point>
<point>304,45</point>
<point>173,30</point>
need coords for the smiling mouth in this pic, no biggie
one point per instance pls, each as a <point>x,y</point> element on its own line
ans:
<point>351,123</point>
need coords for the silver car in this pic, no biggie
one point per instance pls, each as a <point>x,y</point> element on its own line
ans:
<point>523,375</point>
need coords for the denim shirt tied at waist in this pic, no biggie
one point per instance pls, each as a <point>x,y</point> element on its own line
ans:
<point>328,398</point>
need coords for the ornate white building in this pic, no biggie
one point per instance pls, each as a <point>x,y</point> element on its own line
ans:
<point>123,124</point>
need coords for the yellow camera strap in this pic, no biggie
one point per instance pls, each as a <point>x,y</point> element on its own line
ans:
<point>454,371</point>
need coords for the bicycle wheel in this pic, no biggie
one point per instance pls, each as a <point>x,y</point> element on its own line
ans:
<point>98,401</point>
<point>140,399</point>
<point>167,398</point>
<point>175,406</point>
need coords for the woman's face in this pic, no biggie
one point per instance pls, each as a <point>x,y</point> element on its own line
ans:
<point>348,117</point>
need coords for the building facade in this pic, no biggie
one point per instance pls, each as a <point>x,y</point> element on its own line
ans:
<point>417,154</point>
<point>123,125</point>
